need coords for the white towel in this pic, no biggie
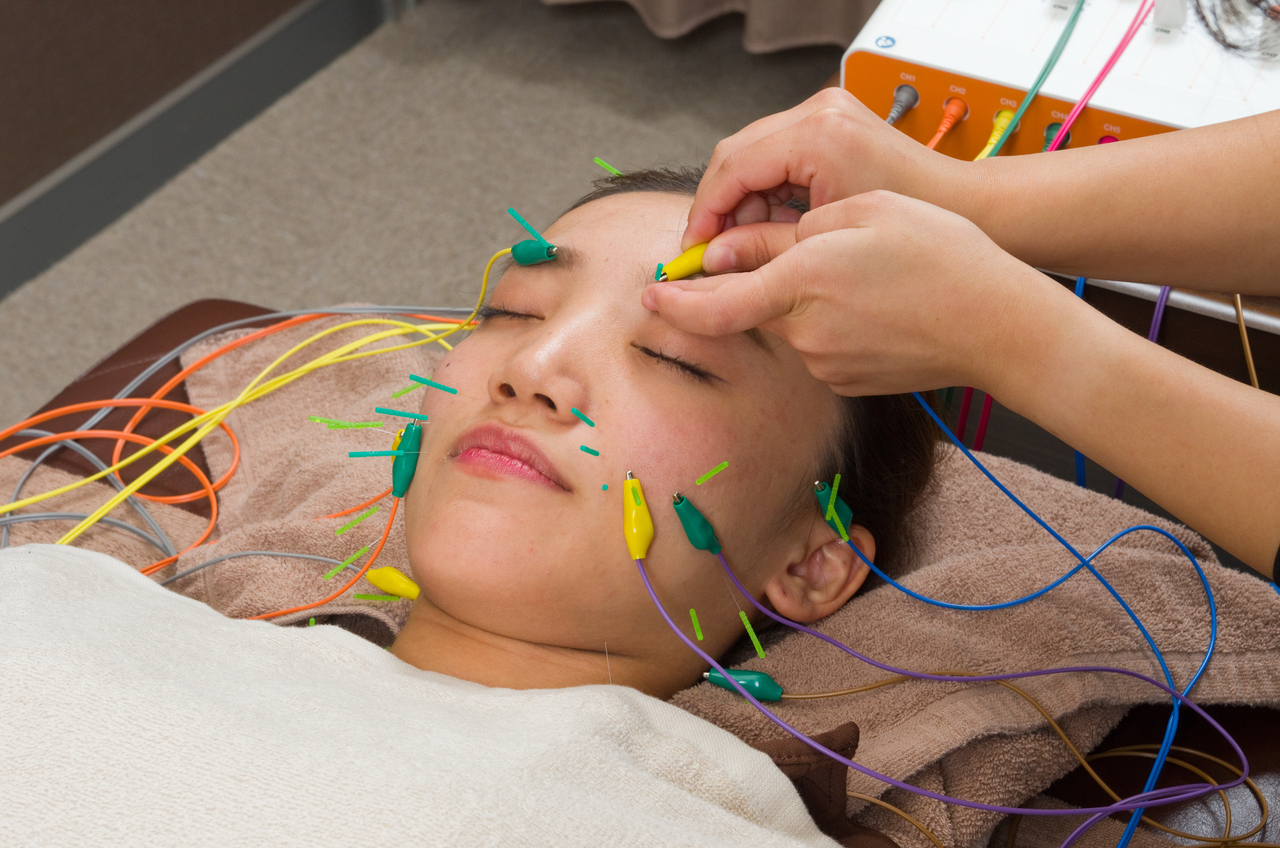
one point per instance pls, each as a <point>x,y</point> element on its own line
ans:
<point>135,716</point>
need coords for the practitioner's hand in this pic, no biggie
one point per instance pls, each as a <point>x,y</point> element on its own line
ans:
<point>879,293</point>
<point>826,149</point>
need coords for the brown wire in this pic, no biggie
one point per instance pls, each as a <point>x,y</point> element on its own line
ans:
<point>903,813</point>
<point>1244,340</point>
<point>1132,750</point>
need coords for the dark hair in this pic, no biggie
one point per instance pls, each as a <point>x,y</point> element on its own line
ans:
<point>1235,24</point>
<point>885,446</point>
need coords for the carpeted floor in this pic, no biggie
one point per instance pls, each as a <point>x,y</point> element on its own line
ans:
<point>386,177</point>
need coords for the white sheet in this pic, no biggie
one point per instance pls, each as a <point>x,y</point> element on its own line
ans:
<point>133,716</point>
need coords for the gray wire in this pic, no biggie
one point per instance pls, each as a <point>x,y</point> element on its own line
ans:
<point>226,557</point>
<point>462,311</point>
<point>6,520</point>
<point>164,543</point>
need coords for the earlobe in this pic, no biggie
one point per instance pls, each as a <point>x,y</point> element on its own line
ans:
<point>828,574</point>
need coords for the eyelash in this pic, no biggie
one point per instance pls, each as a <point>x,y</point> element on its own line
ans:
<point>687,369</point>
<point>486,311</point>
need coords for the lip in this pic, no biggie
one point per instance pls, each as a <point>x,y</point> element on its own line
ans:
<point>495,450</point>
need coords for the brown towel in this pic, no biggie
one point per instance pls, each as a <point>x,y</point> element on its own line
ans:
<point>182,527</point>
<point>979,741</point>
<point>292,471</point>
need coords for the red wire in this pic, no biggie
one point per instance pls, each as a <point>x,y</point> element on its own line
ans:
<point>99,404</point>
<point>145,405</point>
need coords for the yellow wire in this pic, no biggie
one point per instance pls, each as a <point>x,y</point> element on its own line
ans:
<point>182,429</point>
<point>207,422</point>
<point>1001,125</point>
<point>1244,340</point>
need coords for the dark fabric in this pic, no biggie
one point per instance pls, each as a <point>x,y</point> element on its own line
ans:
<point>1254,728</point>
<point>112,374</point>
<point>821,782</point>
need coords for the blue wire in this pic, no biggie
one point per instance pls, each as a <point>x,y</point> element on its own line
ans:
<point>1080,476</point>
<point>1086,562</point>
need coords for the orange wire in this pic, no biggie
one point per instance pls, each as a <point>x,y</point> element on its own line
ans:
<point>953,110</point>
<point>395,505</point>
<point>134,437</point>
<point>182,375</point>
<point>441,320</point>
<point>189,370</point>
<point>369,502</point>
<point>98,404</point>
<point>145,405</point>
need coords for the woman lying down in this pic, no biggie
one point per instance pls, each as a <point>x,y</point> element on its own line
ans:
<point>155,720</point>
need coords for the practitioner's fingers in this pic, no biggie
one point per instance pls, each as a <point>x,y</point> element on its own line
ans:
<point>828,148</point>
<point>747,247</point>
<point>877,293</point>
<point>768,125</point>
<point>717,306</point>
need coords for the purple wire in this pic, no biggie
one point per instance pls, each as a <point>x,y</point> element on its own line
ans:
<point>1097,817</point>
<point>919,675</point>
<point>1186,792</point>
<point>1152,335</point>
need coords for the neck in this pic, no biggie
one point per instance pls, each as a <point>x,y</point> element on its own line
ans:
<point>432,640</point>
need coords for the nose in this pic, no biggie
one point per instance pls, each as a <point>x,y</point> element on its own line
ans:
<point>546,376</point>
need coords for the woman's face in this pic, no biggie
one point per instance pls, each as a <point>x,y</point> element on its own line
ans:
<point>516,529</point>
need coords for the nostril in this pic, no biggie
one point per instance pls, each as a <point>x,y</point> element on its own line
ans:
<point>507,390</point>
<point>548,401</point>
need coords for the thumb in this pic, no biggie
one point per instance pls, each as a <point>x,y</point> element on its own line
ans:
<point>718,306</point>
<point>747,247</point>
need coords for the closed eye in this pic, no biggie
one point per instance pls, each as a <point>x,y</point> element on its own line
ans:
<point>486,312</point>
<point>684,367</point>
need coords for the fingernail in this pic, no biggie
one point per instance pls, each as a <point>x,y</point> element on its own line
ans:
<point>648,299</point>
<point>719,257</point>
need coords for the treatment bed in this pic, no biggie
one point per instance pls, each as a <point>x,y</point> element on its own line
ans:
<point>876,731</point>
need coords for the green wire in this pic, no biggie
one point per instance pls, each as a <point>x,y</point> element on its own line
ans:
<point>1044,75</point>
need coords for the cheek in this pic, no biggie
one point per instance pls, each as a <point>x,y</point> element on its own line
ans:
<point>669,449</point>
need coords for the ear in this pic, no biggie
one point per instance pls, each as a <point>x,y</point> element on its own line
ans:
<point>824,576</point>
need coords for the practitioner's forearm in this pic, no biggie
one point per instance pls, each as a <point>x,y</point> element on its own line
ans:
<point>1195,208</point>
<point>1203,446</point>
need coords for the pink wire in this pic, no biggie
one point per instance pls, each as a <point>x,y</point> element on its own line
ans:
<point>981,435</point>
<point>1143,10</point>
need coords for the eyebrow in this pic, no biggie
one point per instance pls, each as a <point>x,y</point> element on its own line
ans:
<point>569,258</point>
<point>566,258</point>
<point>758,337</point>
<point>752,333</point>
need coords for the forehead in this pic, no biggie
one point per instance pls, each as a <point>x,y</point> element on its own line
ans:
<point>626,227</point>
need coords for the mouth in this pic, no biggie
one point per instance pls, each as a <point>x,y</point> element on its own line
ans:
<point>496,451</point>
